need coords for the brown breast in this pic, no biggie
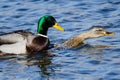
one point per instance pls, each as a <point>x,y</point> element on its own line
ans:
<point>38,44</point>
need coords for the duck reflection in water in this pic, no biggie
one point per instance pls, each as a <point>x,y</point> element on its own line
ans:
<point>43,63</point>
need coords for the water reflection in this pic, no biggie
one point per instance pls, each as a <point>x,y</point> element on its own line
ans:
<point>45,67</point>
<point>94,51</point>
<point>42,62</point>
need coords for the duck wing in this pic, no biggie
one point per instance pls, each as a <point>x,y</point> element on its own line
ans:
<point>13,37</point>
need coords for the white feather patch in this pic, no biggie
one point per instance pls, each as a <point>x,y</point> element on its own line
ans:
<point>16,48</point>
<point>42,35</point>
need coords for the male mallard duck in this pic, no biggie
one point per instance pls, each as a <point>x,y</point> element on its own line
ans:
<point>22,42</point>
<point>93,33</point>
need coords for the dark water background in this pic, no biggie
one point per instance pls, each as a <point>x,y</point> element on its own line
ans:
<point>98,59</point>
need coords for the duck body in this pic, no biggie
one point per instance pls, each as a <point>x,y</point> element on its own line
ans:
<point>23,42</point>
<point>79,39</point>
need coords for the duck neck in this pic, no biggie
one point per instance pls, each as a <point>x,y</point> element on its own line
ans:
<point>84,36</point>
<point>42,31</point>
<point>42,28</point>
<point>77,40</point>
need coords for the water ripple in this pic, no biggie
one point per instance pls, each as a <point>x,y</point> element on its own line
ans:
<point>97,59</point>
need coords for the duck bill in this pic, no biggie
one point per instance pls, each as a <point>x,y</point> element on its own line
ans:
<point>58,27</point>
<point>109,34</point>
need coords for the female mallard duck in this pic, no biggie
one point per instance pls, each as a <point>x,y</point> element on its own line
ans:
<point>22,42</point>
<point>93,33</point>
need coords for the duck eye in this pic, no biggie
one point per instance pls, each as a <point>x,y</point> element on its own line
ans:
<point>99,30</point>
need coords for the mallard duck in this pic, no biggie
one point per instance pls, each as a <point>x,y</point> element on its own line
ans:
<point>23,42</point>
<point>93,33</point>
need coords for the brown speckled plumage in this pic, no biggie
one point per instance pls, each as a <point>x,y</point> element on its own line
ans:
<point>93,33</point>
<point>73,42</point>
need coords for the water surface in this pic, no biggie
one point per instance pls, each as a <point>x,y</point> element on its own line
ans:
<point>98,59</point>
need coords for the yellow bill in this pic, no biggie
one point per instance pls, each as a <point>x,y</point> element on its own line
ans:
<point>109,34</point>
<point>57,26</point>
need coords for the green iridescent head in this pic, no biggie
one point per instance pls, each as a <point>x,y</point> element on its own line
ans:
<point>46,22</point>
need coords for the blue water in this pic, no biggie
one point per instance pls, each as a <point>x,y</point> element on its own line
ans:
<point>97,59</point>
